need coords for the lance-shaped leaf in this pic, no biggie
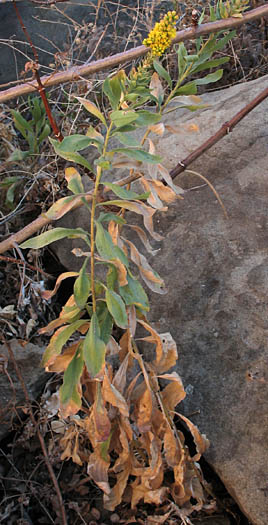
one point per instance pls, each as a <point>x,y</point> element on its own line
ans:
<point>94,348</point>
<point>150,277</point>
<point>210,64</point>
<point>162,72</point>
<point>74,180</point>
<point>156,88</point>
<point>114,397</point>
<point>101,418</point>
<point>58,340</point>
<point>182,54</point>
<point>143,237</point>
<point>146,118</point>
<point>72,143</point>
<point>210,78</point>
<point>63,206</point>
<point>141,209</point>
<point>106,248</point>
<point>71,391</point>
<point>92,108</point>
<point>122,118</point>
<point>70,155</point>
<point>125,194</point>
<point>113,87</point>
<point>82,286</point>
<point>97,469</point>
<point>127,140</point>
<point>116,308</point>
<point>138,154</point>
<point>201,442</point>
<point>54,235</point>
<point>47,294</point>
<point>133,293</point>
<point>174,392</point>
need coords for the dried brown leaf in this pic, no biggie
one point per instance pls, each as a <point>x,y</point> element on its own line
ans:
<point>114,397</point>
<point>201,441</point>
<point>143,237</point>
<point>174,392</point>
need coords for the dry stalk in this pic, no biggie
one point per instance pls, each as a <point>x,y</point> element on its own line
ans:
<point>78,72</point>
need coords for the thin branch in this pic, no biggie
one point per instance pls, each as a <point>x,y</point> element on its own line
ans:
<point>76,72</point>
<point>34,66</point>
<point>30,266</point>
<point>226,128</point>
<point>40,437</point>
<point>42,221</point>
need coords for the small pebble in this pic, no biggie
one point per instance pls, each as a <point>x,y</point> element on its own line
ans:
<point>95,513</point>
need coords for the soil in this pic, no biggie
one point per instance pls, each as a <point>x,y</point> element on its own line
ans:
<point>28,496</point>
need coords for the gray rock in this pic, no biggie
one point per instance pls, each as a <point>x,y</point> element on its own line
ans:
<point>12,398</point>
<point>217,278</point>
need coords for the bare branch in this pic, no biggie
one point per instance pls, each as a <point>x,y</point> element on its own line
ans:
<point>75,73</point>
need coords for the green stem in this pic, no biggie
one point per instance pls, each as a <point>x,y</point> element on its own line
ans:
<point>92,220</point>
<point>183,77</point>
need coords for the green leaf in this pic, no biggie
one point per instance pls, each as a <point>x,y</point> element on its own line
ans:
<point>73,143</point>
<point>82,286</point>
<point>111,277</point>
<point>10,195</point>
<point>17,155</point>
<point>46,131</point>
<point>211,63</point>
<point>69,155</point>
<point>125,194</point>
<point>74,179</point>
<point>54,235</point>
<point>116,308</point>
<point>123,118</point>
<point>133,293</point>
<point>106,248</point>
<point>182,54</point>
<point>212,77</point>
<point>10,180</point>
<point>21,124</point>
<point>127,140</point>
<point>106,326</point>
<point>92,108</point>
<point>162,72</point>
<point>95,136</point>
<point>138,154</point>
<point>146,118</point>
<point>187,89</point>
<point>112,89</point>
<point>59,339</point>
<point>107,217</point>
<point>94,348</point>
<point>70,391</point>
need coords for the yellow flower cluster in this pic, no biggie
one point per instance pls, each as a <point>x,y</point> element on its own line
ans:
<point>159,39</point>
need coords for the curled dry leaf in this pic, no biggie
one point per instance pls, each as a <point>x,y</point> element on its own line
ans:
<point>97,469</point>
<point>201,441</point>
<point>156,87</point>
<point>111,395</point>
<point>174,392</point>
<point>143,237</point>
<point>150,277</point>
<point>47,294</point>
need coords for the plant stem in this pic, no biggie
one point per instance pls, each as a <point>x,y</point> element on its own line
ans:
<point>92,219</point>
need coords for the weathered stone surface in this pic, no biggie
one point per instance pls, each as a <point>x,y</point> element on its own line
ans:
<point>217,277</point>
<point>28,359</point>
